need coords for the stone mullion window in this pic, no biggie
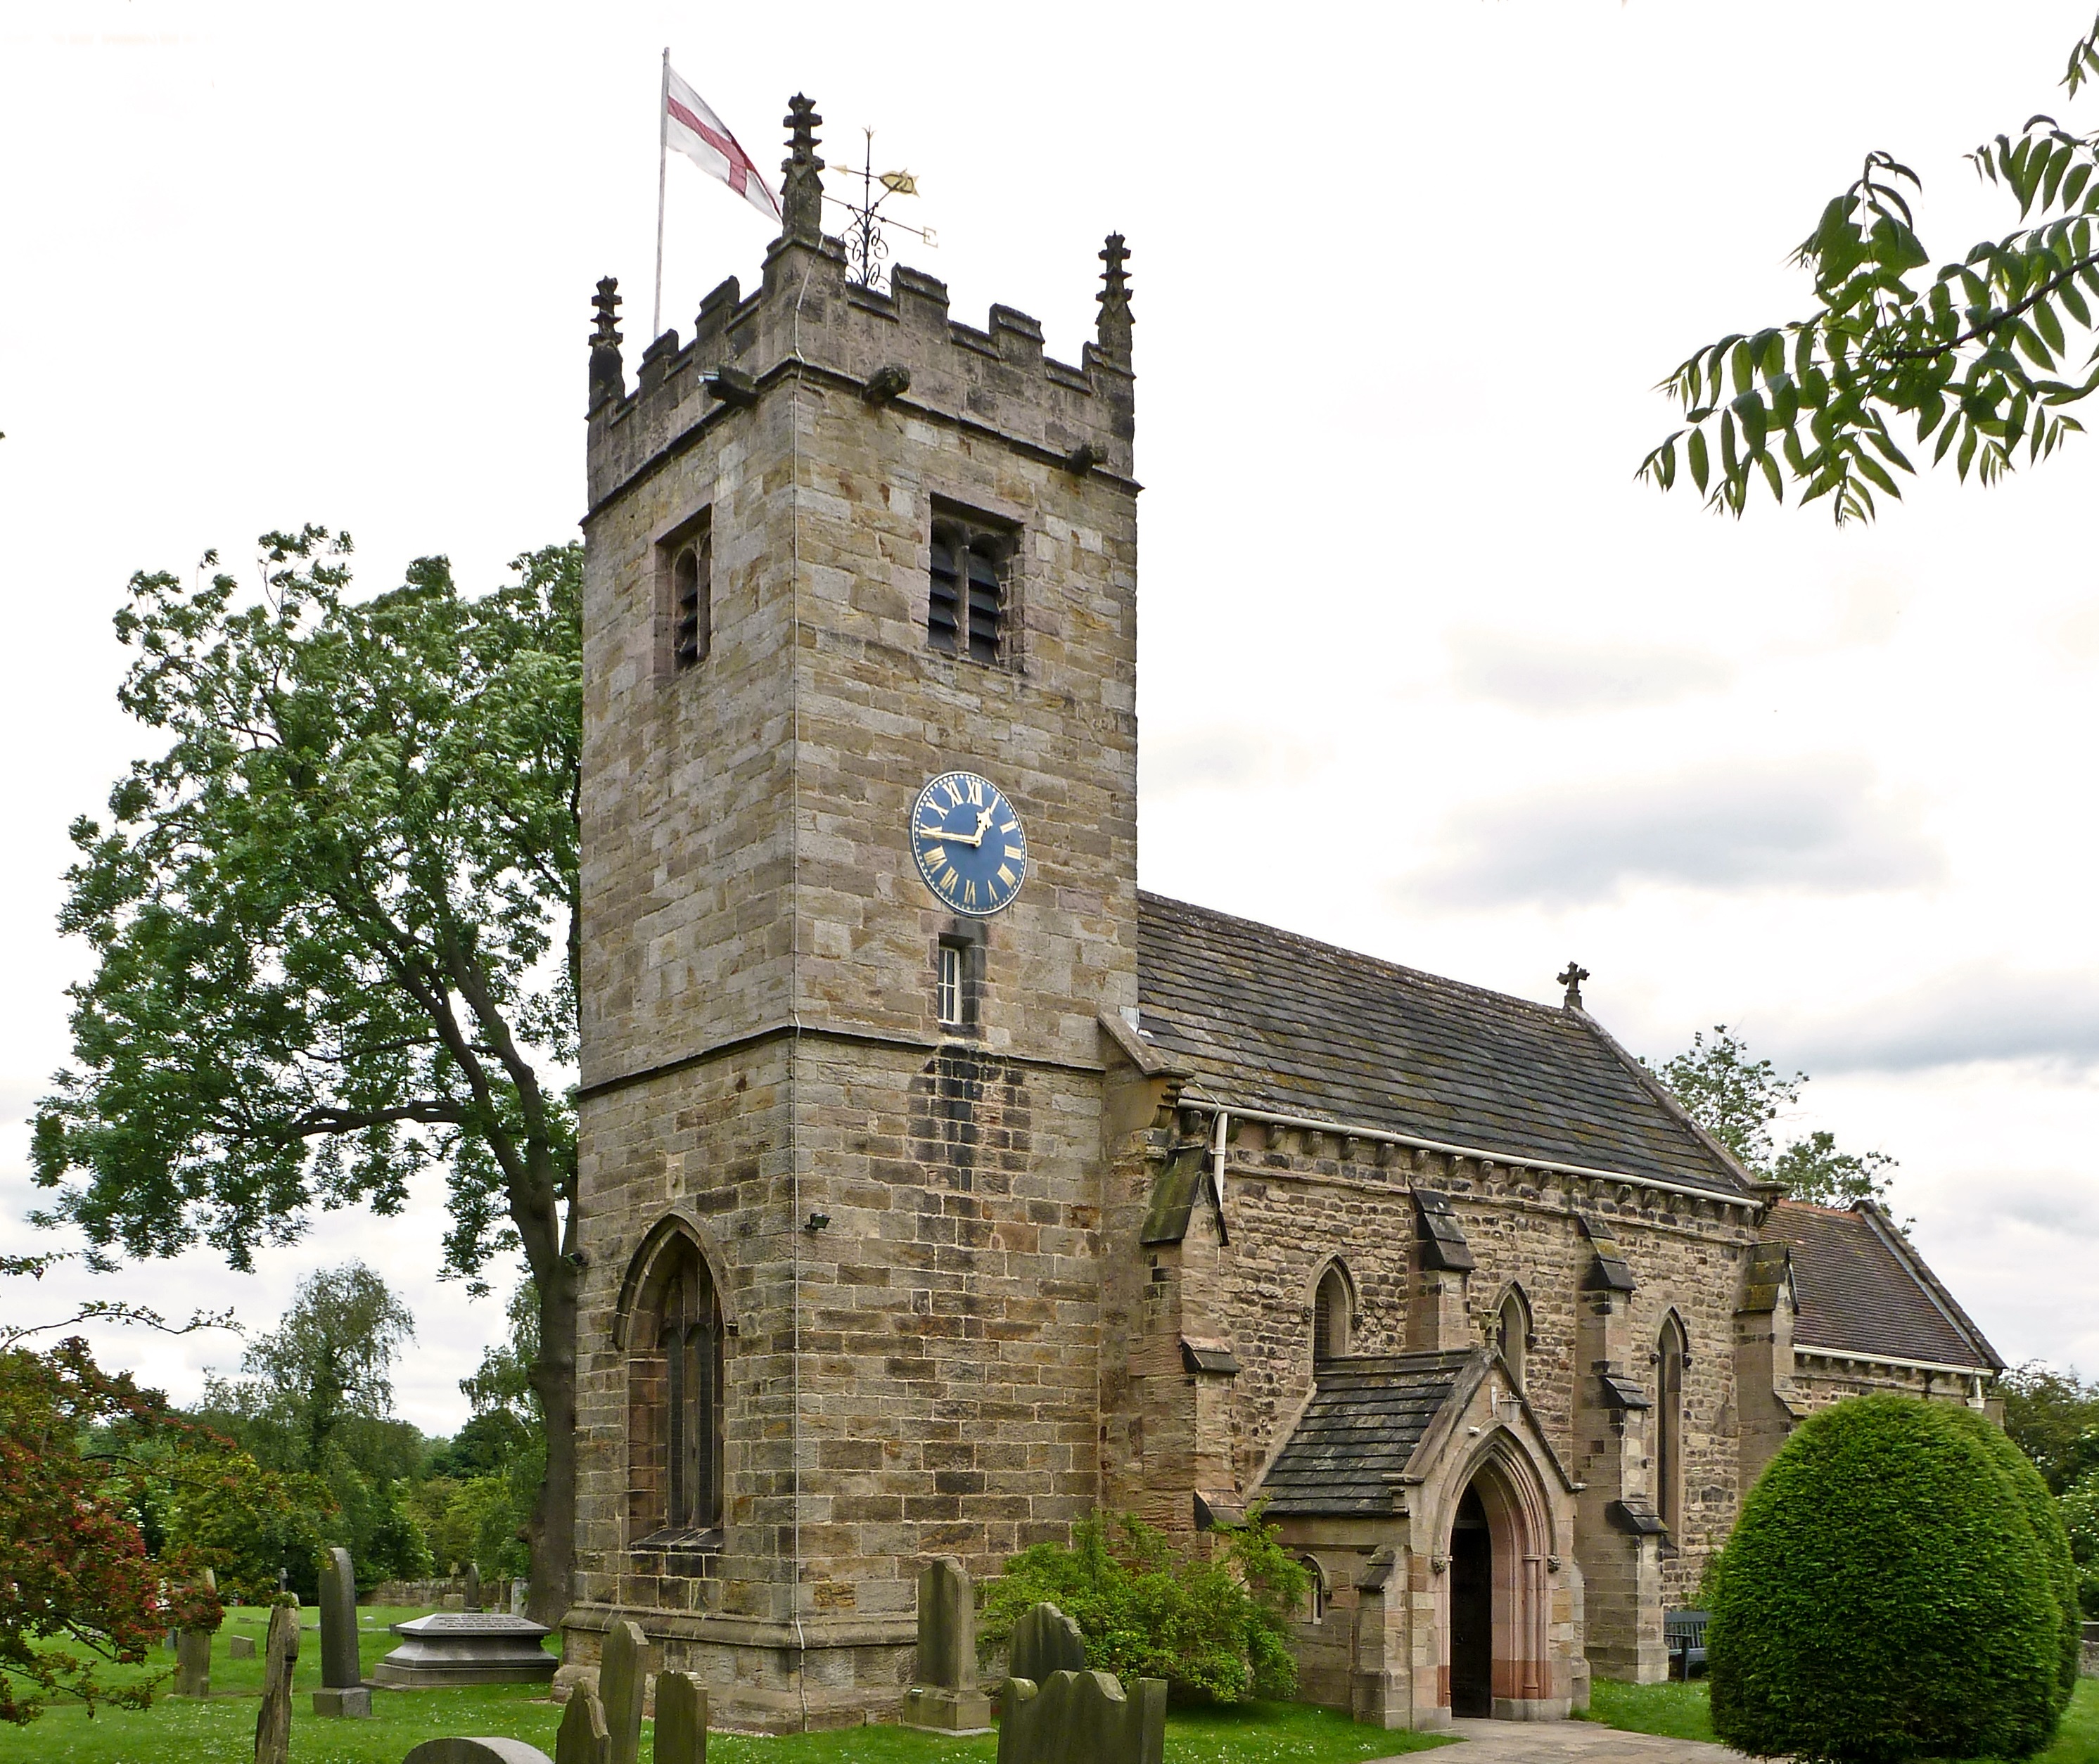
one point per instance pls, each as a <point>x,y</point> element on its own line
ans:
<point>676,1411</point>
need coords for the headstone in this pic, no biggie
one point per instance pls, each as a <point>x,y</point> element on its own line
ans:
<point>193,1663</point>
<point>622,1686</point>
<point>472,1586</point>
<point>583,1739</point>
<point>681,1719</point>
<point>946,1696</point>
<point>1082,1717</point>
<point>240,1647</point>
<point>273,1721</point>
<point>475,1752</point>
<point>1044,1641</point>
<point>466,1647</point>
<point>453,1602</point>
<point>521,1591</point>
<point>343,1690</point>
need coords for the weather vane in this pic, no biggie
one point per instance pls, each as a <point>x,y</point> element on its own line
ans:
<point>866,246</point>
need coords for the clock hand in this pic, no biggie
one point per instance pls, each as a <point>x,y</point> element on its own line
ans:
<point>951,836</point>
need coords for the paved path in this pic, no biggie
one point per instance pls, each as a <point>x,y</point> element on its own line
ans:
<point>1570,1742</point>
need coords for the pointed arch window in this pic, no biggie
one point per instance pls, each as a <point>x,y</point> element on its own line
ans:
<point>675,1418</point>
<point>1331,1316</point>
<point>1512,1334</point>
<point>1672,1354</point>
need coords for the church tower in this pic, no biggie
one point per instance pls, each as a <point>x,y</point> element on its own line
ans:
<point>841,1121</point>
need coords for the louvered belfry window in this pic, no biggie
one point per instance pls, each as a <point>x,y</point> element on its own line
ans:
<point>687,560</point>
<point>966,611</point>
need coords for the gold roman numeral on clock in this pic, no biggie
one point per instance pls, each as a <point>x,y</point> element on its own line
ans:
<point>935,856</point>
<point>1014,851</point>
<point>954,792</point>
<point>974,787</point>
<point>970,892</point>
<point>1006,876</point>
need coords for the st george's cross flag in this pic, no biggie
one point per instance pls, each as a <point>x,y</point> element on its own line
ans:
<point>704,138</point>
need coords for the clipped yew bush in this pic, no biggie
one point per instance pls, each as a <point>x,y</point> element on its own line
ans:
<point>1888,1593</point>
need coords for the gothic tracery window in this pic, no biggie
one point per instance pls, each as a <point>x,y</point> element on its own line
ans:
<point>676,1391</point>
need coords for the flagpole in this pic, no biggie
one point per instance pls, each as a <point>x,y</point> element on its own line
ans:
<point>662,153</point>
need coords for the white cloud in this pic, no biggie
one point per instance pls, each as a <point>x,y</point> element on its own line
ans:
<point>1549,676</point>
<point>1817,826</point>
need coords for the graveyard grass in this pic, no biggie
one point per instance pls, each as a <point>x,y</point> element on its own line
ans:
<point>179,1730</point>
<point>1681,1712</point>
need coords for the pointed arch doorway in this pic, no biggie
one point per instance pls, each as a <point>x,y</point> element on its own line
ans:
<point>1472,1609</point>
<point>1499,1593</point>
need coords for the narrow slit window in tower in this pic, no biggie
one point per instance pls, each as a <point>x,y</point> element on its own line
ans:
<point>948,985</point>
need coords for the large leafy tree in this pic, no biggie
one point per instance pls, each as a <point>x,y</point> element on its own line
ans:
<point>1974,357</point>
<point>1738,1100</point>
<point>335,932</point>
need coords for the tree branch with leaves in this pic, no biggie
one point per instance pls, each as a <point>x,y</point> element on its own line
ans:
<point>1974,359</point>
<point>335,931</point>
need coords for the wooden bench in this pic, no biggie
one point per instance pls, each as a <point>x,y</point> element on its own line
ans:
<point>1683,1635</point>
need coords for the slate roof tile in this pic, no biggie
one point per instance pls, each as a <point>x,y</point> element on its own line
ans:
<point>1272,1020</point>
<point>1366,1415</point>
<point>1863,1290</point>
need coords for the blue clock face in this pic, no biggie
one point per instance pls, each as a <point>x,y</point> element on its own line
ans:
<point>967,839</point>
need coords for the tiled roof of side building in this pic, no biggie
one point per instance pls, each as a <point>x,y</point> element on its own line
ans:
<point>1864,1290</point>
<point>1271,1020</point>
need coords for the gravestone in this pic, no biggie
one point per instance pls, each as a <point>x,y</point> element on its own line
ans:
<point>520,1590</point>
<point>583,1737</point>
<point>466,1647</point>
<point>240,1647</point>
<point>1044,1641</point>
<point>193,1653</point>
<point>343,1690</point>
<point>946,1697</point>
<point>273,1721</point>
<point>193,1663</point>
<point>622,1686</point>
<point>488,1751</point>
<point>472,1586</point>
<point>1082,1717</point>
<point>681,1719</point>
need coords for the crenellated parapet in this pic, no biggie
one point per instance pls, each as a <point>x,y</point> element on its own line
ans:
<point>898,349</point>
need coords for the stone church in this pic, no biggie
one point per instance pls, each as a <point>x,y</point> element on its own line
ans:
<point>939,1187</point>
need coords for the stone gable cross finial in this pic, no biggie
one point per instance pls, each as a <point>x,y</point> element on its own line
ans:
<point>1114,331</point>
<point>1571,978</point>
<point>802,191</point>
<point>607,379</point>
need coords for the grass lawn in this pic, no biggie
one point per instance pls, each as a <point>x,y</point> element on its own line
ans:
<point>221,1731</point>
<point>1680,1711</point>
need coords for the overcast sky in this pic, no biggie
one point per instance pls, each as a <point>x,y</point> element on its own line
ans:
<point>1405,278</point>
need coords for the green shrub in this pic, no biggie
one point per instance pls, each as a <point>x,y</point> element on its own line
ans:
<point>2045,1517</point>
<point>1885,1597</point>
<point>2079,1508</point>
<point>1152,1606</point>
